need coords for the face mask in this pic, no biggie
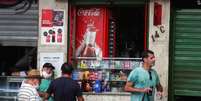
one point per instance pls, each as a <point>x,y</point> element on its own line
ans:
<point>36,86</point>
<point>46,75</point>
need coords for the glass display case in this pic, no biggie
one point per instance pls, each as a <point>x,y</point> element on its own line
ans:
<point>103,74</point>
<point>9,86</point>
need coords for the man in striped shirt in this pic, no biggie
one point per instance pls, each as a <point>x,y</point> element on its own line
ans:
<point>28,89</point>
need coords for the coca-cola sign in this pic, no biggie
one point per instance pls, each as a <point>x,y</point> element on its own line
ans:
<point>88,12</point>
<point>91,32</point>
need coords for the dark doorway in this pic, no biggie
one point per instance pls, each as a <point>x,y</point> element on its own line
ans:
<point>129,30</point>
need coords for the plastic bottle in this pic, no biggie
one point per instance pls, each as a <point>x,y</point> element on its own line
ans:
<point>59,36</point>
<point>97,86</point>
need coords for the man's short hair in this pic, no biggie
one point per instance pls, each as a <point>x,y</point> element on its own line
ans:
<point>67,68</point>
<point>145,53</point>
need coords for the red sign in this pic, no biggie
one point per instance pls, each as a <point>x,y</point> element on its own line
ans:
<point>91,32</point>
<point>47,18</point>
<point>157,13</point>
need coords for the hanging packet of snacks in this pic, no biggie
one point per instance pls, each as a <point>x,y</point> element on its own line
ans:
<point>127,65</point>
<point>83,64</point>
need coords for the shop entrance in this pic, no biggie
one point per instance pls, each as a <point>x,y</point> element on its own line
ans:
<point>129,31</point>
<point>116,32</point>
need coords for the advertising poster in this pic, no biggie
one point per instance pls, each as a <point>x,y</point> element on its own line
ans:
<point>52,27</point>
<point>47,16</point>
<point>91,32</point>
<point>56,59</point>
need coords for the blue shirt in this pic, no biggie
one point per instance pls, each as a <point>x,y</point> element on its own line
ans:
<point>141,79</point>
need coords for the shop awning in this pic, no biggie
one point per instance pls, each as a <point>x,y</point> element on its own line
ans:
<point>108,2</point>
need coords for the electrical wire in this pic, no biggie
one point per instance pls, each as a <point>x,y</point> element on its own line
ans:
<point>19,7</point>
<point>25,7</point>
<point>2,5</point>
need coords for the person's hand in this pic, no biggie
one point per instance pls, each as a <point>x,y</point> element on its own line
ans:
<point>159,95</point>
<point>146,90</point>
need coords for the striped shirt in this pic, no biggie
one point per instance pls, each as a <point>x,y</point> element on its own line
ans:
<point>28,93</point>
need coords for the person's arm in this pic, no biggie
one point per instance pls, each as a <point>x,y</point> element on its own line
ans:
<point>41,94</point>
<point>34,98</point>
<point>79,92</point>
<point>46,96</point>
<point>80,98</point>
<point>129,88</point>
<point>49,90</point>
<point>159,87</point>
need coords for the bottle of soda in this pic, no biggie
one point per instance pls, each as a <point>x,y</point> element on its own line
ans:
<point>59,35</point>
<point>53,36</point>
<point>97,86</point>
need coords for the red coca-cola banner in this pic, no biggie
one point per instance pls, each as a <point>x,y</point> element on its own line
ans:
<point>91,32</point>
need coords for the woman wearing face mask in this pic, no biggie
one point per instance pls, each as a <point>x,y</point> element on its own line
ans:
<point>47,74</point>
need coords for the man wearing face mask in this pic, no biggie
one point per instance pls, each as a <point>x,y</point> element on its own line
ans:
<point>47,74</point>
<point>28,90</point>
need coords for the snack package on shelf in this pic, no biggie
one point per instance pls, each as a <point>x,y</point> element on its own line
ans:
<point>126,65</point>
<point>111,64</point>
<point>106,86</point>
<point>93,75</point>
<point>81,75</point>
<point>86,86</point>
<point>75,75</point>
<point>97,64</point>
<point>105,75</point>
<point>118,65</point>
<point>100,75</point>
<point>97,86</point>
<point>105,64</point>
<point>123,76</point>
<point>135,64</point>
<point>83,64</point>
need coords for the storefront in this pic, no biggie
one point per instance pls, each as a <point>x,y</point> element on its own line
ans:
<point>185,59</point>
<point>105,42</point>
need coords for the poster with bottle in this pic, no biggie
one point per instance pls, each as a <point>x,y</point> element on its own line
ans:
<point>91,32</point>
<point>52,27</point>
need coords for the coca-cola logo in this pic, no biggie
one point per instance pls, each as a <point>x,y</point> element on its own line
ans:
<point>88,12</point>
